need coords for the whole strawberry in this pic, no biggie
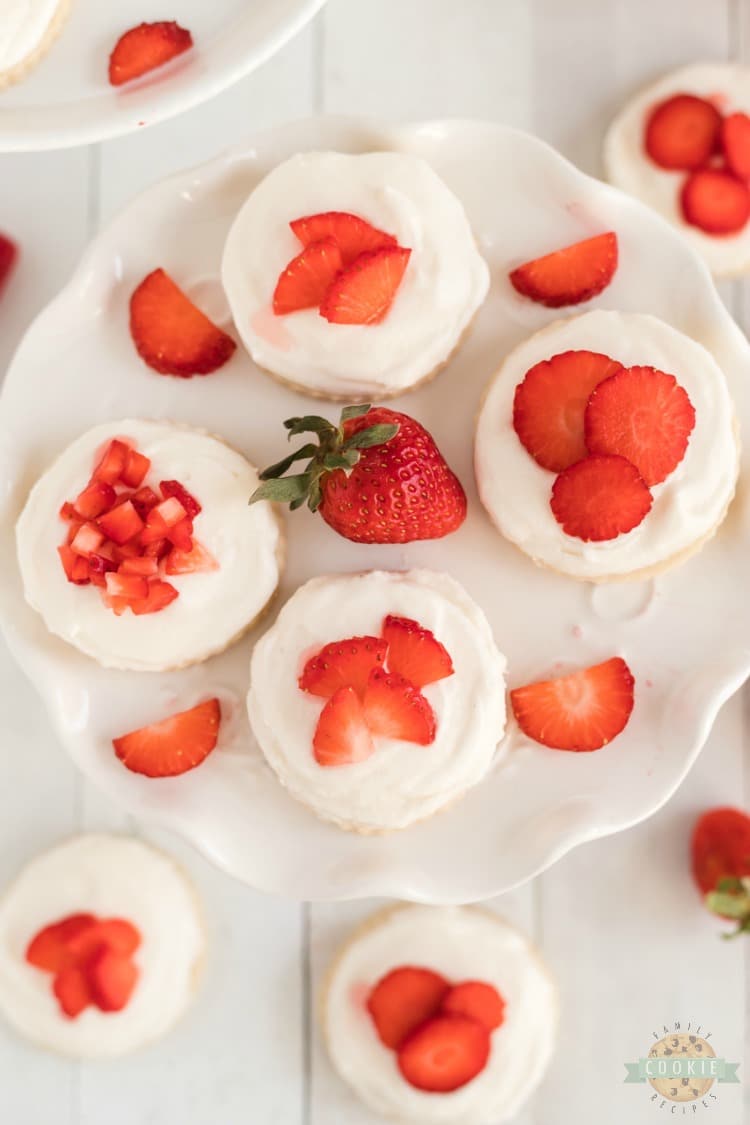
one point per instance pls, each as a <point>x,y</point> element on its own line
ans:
<point>377,477</point>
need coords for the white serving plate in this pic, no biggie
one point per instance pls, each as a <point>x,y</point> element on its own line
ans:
<point>66,100</point>
<point>686,636</point>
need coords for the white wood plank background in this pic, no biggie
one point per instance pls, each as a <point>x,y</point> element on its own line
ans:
<point>617,919</point>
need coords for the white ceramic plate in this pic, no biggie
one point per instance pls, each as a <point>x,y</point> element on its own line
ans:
<point>686,636</point>
<point>66,100</point>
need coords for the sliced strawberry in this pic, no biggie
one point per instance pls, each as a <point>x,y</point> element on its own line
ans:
<point>72,990</point>
<point>174,745</point>
<point>571,275</point>
<point>146,47</point>
<point>174,488</point>
<point>600,498</point>
<point>113,462</point>
<point>190,562</point>
<point>402,1000</point>
<point>444,1053</point>
<point>394,708</point>
<point>583,711</point>
<point>121,524</point>
<point>50,948</point>
<point>644,415</point>
<point>342,664</point>
<point>549,406</point>
<point>136,467</point>
<point>8,256</point>
<point>112,977</point>
<point>144,566</point>
<point>116,934</point>
<point>352,235</point>
<point>341,736</point>
<point>476,1000</point>
<point>720,847</point>
<point>364,292</point>
<point>96,498</point>
<point>716,201</point>
<point>305,281</point>
<point>735,144</point>
<point>87,540</point>
<point>414,652</point>
<point>171,335</point>
<point>682,132</point>
<point>160,595</point>
<point>130,586</point>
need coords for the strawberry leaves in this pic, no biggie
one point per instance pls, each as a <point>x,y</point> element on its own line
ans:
<point>731,900</point>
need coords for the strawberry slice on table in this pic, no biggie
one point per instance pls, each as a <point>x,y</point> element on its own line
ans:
<point>716,201</point>
<point>444,1053</point>
<point>8,256</point>
<point>112,978</point>
<point>341,736</point>
<point>582,711</point>
<point>735,144</point>
<point>50,948</point>
<point>171,334</point>
<point>549,406</point>
<point>644,415</point>
<point>304,283</point>
<point>415,653</point>
<point>476,1000</point>
<point>682,133</point>
<point>352,235</point>
<point>174,745</point>
<point>599,498</point>
<point>72,990</point>
<point>402,1000</point>
<point>395,708</point>
<point>571,275</point>
<point>146,47</point>
<point>365,290</point>
<point>340,664</point>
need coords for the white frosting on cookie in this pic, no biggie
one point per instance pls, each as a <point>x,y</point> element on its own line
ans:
<point>23,26</point>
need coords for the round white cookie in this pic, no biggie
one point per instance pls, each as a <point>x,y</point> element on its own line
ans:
<point>28,28</point>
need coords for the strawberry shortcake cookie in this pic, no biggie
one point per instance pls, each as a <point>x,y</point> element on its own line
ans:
<point>28,28</point>
<point>440,1014</point>
<point>353,276</point>
<point>378,698</point>
<point>138,546</point>
<point>101,941</point>
<point>683,146</point>
<point>606,447</point>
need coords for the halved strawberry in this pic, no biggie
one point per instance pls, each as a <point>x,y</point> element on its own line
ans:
<point>112,464</point>
<point>171,334</point>
<point>305,281</point>
<point>72,990</point>
<point>136,467</point>
<point>444,1053</point>
<point>644,415</point>
<point>415,653</point>
<point>96,498</point>
<point>190,562</point>
<point>352,235</point>
<point>345,663</point>
<point>549,406</point>
<point>121,524</point>
<point>8,256</point>
<point>735,144</point>
<point>112,977</point>
<point>477,1000</point>
<point>582,711</point>
<point>341,736</point>
<point>364,291</point>
<point>174,745</point>
<point>600,498</point>
<point>170,488</point>
<point>160,595</point>
<point>402,1000</point>
<point>146,47</point>
<point>682,132</point>
<point>50,948</point>
<point>571,275</point>
<point>395,708</point>
<point>716,201</point>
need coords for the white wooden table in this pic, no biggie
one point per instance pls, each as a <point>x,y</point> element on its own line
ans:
<point>617,919</point>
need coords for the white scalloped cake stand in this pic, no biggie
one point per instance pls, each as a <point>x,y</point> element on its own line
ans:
<point>686,636</point>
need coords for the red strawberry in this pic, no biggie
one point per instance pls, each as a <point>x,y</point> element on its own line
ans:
<point>49,949</point>
<point>171,335</point>
<point>112,977</point>
<point>173,488</point>
<point>735,144</point>
<point>341,736</point>
<point>394,708</point>
<point>174,745</point>
<point>600,498</point>
<point>305,281</point>
<point>343,664</point>
<point>87,540</point>
<point>682,132</point>
<point>414,652</point>
<point>444,1054</point>
<point>644,415</point>
<point>73,992</point>
<point>8,255</point>
<point>477,1001</point>
<point>96,498</point>
<point>132,587</point>
<point>716,201</point>
<point>378,477</point>
<point>121,524</point>
<point>146,47</point>
<point>160,595</point>
<point>352,235</point>
<point>571,275</point>
<point>198,559</point>
<point>146,567</point>
<point>136,467</point>
<point>720,847</point>
<point>112,464</point>
<point>364,291</point>
<point>402,1000</point>
<point>582,711</point>
<point>549,406</point>
<point>116,934</point>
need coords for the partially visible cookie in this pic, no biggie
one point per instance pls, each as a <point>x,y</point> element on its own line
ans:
<point>28,28</point>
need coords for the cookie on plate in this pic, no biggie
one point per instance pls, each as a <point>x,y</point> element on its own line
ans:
<point>27,31</point>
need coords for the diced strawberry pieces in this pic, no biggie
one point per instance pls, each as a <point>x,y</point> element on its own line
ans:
<point>170,511</point>
<point>444,1053</point>
<point>571,275</point>
<point>8,256</point>
<point>340,664</point>
<point>171,334</point>
<point>395,708</point>
<point>181,535</point>
<point>716,201</point>
<point>68,512</point>
<point>80,574</point>
<point>582,711</point>
<point>112,977</point>
<point>644,415</point>
<point>146,47</point>
<point>352,235</point>
<point>682,132</point>
<point>174,745</point>
<point>341,736</point>
<point>50,948</point>
<point>155,528</point>
<point>87,540</point>
<point>144,500</point>
<point>477,1000</point>
<point>735,144</point>
<point>174,488</point>
<point>121,524</point>
<point>99,567</point>
<point>365,290</point>
<point>550,403</point>
<point>124,551</point>
<point>96,498</point>
<point>68,559</point>
<point>720,847</point>
<point>143,566</point>
<point>194,561</point>
<point>72,990</point>
<point>414,652</point>
<point>110,468</point>
<point>117,605</point>
<point>402,1000</point>
<point>304,283</point>
<point>600,498</point>
<point>136,467</point>
<point>157,548</point>
<point>160,595</point>
<point>130,586</point>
